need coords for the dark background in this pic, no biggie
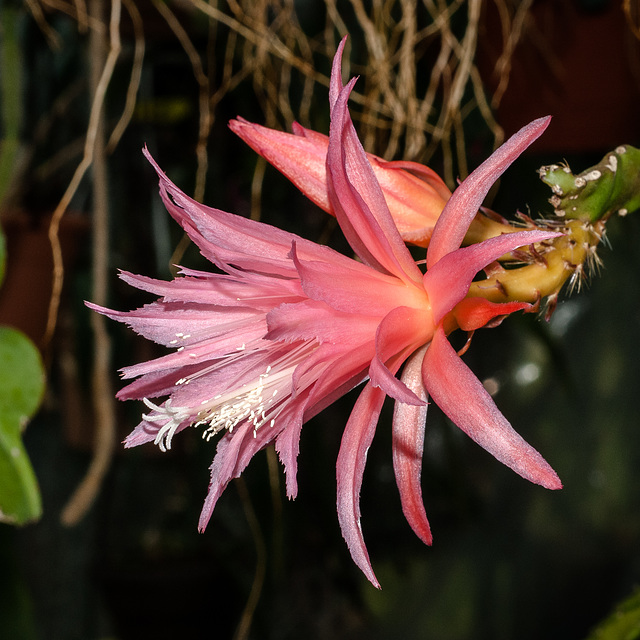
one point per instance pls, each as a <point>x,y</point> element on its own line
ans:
<point>509,559</point>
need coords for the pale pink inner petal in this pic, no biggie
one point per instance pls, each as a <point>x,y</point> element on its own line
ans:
<point>408,443</point>
<point>315,320</point>
<point>357,288</point>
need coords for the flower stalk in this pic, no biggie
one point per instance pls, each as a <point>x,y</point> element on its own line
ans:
<point>582,205</point>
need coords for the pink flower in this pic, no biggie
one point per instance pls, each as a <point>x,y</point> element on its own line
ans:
<point>288,326</point>
<point>414,193</point>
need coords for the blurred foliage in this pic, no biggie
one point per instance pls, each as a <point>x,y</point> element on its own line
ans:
<point>623,623</point>
<point>21,391</point>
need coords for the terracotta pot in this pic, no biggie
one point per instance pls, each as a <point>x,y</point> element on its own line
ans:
<point>26,290</point>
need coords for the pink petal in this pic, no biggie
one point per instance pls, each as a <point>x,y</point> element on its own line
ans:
<point>335,84</point>
<point>448,280</point>
<point>467,198</point>
<point>354,287</point>
<point>358,201</point>
<point>225,238</point>
<point>197,354</point>
<point>425,175</point>
<point>315,320</point>
<point>414,193</point>
<point>408,444</point>
<point>401,331</point>
<point>235,451</point>
<point>461,396</point>
<point>233,454</point>
<point>336,370</point>
<point>474,313</point>
<point>200,287</point>
<point>352,457</point>
<point>158,321</point>
<point>288,446</point>
<point>303,160</point>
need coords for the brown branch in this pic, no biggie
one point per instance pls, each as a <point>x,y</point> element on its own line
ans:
<point>104,438</point>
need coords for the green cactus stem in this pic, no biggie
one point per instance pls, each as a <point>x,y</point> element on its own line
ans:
<point>611,186</point>
<point>582,205</point>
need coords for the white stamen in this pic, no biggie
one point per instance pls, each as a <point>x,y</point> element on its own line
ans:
<point>174,418</point>
<point>257,402</point>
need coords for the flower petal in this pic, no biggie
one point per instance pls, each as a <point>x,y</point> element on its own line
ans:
<point>473,313</point>
<point>228,239</point>
<point>201,287</point>
<point>358,201</point>
<point>401,331</point>
<point>302,159</point>
<point>414,193</point>
<point>467,198</point>
<point>461,396</point>
<point>233,454</point>
<point>335,83</point>
<point>315,320</point>
<point>352,458</point>
<point>408,444</point>
<point>354,287</point>
<point>448,280</point>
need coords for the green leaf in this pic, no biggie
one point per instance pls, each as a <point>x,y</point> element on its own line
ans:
<point>21,390</point>
<point>623,623</point>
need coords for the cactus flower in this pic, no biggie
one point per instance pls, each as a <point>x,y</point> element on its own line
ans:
<point>287,326</point>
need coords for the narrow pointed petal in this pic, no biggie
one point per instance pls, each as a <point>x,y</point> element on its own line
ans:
<point>225,238</point>
<point>467,198</point>
<point>358,201</point>
<point>408,443</point>
<point>233,454</point>
<point>356,440</point>
<point>457,391</point>
<point>208,288</point>
<point>473,313</point>
<point>288,446</point>
<point>447,282</point>
<point>335,84</point>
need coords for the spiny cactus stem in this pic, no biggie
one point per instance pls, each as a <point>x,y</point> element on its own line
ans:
<point>550,265</point>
